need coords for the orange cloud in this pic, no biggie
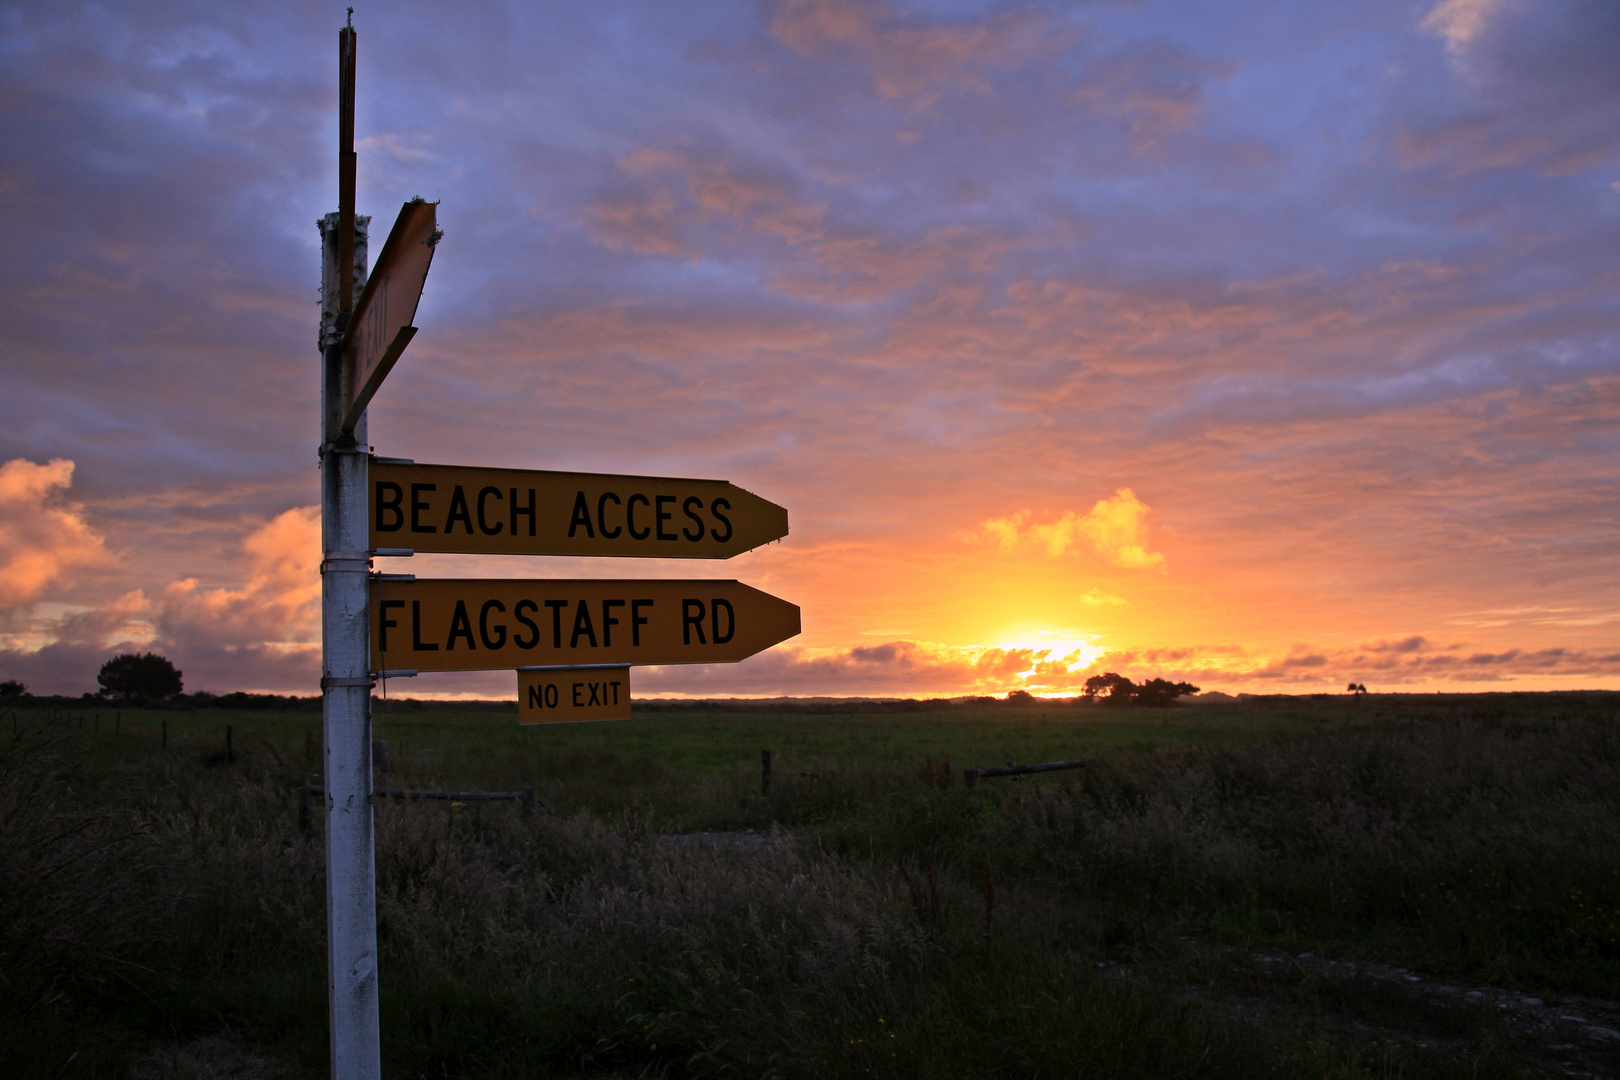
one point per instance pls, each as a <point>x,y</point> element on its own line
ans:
<point>901,668</point>
<point>279,603</point>
<point>1116,528</point>
<point>42,538</point>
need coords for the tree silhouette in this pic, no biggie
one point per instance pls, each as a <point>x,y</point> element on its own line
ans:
<point>11,688</point>
<point>1162,691</point>
<point>1356,688</point>
<point>1114,689</point>
<point>139,675</point>
<point>1117,690</point>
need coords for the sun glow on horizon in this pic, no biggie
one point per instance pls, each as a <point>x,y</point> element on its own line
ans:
<point>1061,653</point>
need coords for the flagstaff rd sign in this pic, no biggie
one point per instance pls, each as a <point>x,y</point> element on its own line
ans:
<point>381,326</point>
<point>473,511</point>
<point>484,625</point>
<point>568,695</point>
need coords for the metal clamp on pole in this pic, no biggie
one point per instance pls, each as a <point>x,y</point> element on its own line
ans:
<point>351,562</point>
<point>393,577</point>
<point>399,673</point>
<point>329,680</point>
<point>394,553</point>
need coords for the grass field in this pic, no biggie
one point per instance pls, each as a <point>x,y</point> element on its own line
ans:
<point>880,920</point>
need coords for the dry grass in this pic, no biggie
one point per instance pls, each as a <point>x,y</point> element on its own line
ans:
<point>883,926</point>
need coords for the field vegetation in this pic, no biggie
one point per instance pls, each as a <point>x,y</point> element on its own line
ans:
<point>1187,905</point>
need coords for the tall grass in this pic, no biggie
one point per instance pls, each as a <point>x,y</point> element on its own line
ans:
<point>1483,845</point>
<point>880,926</point>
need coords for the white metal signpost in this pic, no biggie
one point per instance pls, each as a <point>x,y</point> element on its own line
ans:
<point>571,642</point>
<point>351,903</point>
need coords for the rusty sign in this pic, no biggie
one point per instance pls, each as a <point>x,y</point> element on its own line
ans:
<point>474,511</point>
<point>381,326</point>
<point>480,624</point>
<point>570,695</point>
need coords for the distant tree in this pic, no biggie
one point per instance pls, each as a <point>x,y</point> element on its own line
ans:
<point>1020,697</point>
<point>1117,690</point>
<point>1162,691</point>
<point>139,675</point>
<point>11,688</point>
<point>1113,689</point>
<point>1356,688</point>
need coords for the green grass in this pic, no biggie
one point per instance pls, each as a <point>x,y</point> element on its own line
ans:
<point>893,926</point>
<point>484,747</point>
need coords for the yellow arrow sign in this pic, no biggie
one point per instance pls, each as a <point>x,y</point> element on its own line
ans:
<point>472,511</point>
<point>381,326</point>
<point>478,624</point>
<point>571,695</point>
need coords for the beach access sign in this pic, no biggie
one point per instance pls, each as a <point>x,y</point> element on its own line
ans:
<point>572,695</point>
<point>473,511</point>
<point>473,624</point>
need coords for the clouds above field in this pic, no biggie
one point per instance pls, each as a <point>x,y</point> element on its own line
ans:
<point>1116,528</point>
<point>42,537</point>
<point>968,287</point>
<point>908,668</point>
<point>268,625</point>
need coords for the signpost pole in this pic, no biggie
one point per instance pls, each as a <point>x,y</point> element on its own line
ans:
<point>351,901</point>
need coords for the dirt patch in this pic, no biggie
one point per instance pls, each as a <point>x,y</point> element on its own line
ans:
<point>1382,1005</point>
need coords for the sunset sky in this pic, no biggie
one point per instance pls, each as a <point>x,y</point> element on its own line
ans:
<point>1265,345</point>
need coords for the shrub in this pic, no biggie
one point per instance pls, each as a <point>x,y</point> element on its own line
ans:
<point>139,675</point>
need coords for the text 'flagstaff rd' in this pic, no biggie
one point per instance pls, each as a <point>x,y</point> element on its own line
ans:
<point>485,625</point>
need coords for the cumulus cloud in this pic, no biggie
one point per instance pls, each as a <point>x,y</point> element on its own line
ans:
<point>892,668</point>
<point>262,634</point>
<point>43,538</point>
<point>1115,527</point>
<point>279,603</point>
